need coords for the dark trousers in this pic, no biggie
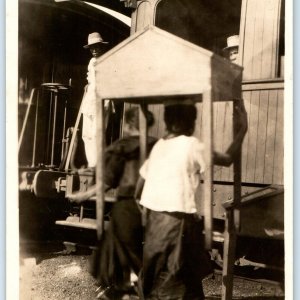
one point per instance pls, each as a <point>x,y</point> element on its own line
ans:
<point>174,261</point>
<point>120,250</point>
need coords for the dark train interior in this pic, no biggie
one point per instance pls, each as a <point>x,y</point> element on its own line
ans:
<point>51,39</point>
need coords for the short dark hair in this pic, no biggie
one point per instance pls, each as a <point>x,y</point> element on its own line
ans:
<point>132,116</point>
<point>180,119</point>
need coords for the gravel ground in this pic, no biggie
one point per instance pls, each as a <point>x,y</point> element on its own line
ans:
<point>49,273</point>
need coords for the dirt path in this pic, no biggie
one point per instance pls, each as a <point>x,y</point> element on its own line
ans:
<point>47,274</point>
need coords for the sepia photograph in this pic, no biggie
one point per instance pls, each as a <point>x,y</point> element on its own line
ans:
<point>148,140</point>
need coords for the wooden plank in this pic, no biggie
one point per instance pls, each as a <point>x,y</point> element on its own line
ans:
<point>229,256</point>
<point>252,135</point>
<point>268,40</point>
<point>160,53</point>
<point>270,139</point>
<point>249,39</point>
<point>208,175</point>
<point>258,40</point>
<point>219,115</point>
<point>263,85</point>
<point>279,148</point>
<point>261,137</point>
<point>215,120</point>
<point>240,57</point>
<point>74,133</point>
<point>264,218</point>
<point>247,103</point>
<point>143,128</point>
<point>162,125</point>
<point>276,32</point>
<point>237,171</point>
<point>84,225</point>
<point>227,139</point>
<point>100,138</point>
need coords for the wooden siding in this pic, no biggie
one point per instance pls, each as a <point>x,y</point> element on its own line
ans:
<point>262,155</point>
<point>259,38</point>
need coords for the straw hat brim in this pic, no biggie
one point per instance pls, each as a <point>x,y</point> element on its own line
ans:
<point>230,47</point>
<point>89,45</point>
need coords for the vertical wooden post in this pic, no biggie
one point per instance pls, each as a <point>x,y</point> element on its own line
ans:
<point>229,254</point>
<point>143,128</point>
<point>100,166</point>
<point>208,156</point>
<point>74,132</point>
<point>143,132</point>
<point>232,224</point>
<point>237,169</point>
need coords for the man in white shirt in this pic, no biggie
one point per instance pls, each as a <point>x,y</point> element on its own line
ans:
<point>174,259</point>
<point>97,48</point>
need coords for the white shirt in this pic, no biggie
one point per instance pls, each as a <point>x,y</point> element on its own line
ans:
<point>172,174</point>
<point>89,107</point>
<point>89,101</point>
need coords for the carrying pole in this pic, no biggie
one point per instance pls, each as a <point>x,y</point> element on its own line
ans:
<point>100,136</point>
<point>74,133</point>
<point>208,157</point>
<point>232,219</point>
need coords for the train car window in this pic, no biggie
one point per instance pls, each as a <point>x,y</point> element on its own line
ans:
<point>204,23</point>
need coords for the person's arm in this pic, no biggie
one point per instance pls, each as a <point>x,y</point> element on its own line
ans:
<point>139,188</point>
<point>226,159</point>
<point>79,197</point>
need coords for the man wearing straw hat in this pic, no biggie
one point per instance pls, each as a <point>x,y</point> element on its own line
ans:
<point>97,47</point>
<point>232,48</point>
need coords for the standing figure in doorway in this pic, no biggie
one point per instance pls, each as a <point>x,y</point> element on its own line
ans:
<point>232,49</point>
<point>97,47</point>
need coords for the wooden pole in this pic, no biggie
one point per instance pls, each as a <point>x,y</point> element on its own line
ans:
<point>229,255</point>
<point>100,167</point>
<point>208,157</point>
<point>74,133</point>
<point>232,222</point>
<point>143,132</point>
<point>237,170</point>
<point>143,128</point>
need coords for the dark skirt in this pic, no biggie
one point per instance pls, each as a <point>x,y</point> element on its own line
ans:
<point>175,261</point>
<point>120,250</point>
